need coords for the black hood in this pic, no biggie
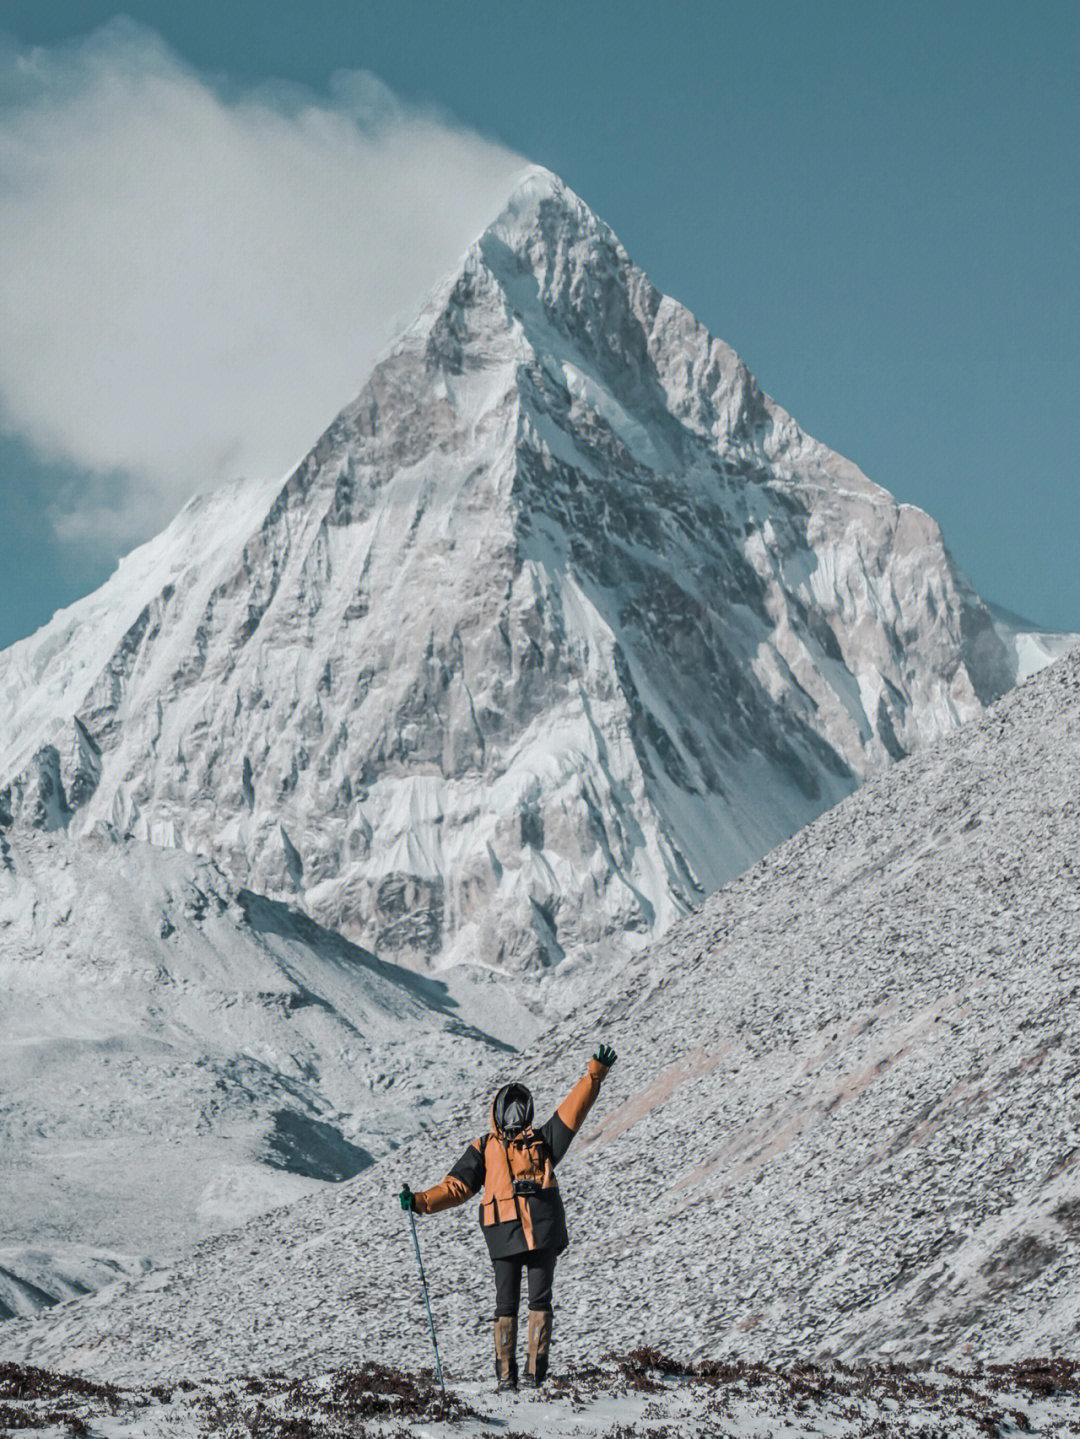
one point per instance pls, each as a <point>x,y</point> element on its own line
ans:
<point>512,1110</point>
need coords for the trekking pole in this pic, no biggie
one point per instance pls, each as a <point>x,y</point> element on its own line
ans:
<point>427,1303</point>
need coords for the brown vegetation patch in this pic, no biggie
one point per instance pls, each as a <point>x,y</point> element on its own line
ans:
<point>272,1407</point>
<point>1041,1378</point>
<point>23,1381</point>
<point>849,1391</point>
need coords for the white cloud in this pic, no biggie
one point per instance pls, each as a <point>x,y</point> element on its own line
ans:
<point>194,280</point>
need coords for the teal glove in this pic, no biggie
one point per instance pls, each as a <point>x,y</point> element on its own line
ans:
<point>606,1055</point>
<point>407,1198</point>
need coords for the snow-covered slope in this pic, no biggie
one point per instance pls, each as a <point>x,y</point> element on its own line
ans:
<point>843,1121</point>
<point>176,1055</point>
<point>1030,648</point>
<point>559,626</point>
<point>33,1278</point>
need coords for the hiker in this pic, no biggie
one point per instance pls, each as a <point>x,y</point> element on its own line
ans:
<point>521,1214</point>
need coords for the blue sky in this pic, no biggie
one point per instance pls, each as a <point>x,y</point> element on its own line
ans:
<point>876,206</point>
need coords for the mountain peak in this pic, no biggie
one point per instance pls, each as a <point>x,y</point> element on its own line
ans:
<point>542,208</point>
<point>559,626</point>
<point>532,187</point>
<point>540,181</point>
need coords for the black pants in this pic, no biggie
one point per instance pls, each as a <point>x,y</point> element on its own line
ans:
<point>541,1266</point>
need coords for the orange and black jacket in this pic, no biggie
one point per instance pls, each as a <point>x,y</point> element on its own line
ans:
<point>516,1222</point>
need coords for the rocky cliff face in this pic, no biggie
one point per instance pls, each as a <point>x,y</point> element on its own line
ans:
<point>558,627</point>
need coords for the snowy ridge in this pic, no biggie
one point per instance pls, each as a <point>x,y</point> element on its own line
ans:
<point>41,676</point>
<point>177,1055</point>
<point>32,1279</point>
<point>560,625</point>
<point>1030,648</point>
<point>842,1121</point>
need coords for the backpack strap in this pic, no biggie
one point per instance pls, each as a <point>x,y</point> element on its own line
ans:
<point>513,1188</point>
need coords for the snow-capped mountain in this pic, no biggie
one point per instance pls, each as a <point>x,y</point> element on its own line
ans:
<point>559,626</point>
<point>843,1120</point>
<point>176,1055</point>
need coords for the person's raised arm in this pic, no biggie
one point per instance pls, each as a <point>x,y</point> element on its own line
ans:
<point>464,1179</point>
<point>570,1115</point>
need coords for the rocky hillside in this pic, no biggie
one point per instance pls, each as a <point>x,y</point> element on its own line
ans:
<point>559,626</point>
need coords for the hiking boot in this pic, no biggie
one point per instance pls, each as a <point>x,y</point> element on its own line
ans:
<point>539,1343</point>
<point>506,1371</point>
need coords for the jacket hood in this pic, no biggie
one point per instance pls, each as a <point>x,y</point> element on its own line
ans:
<point>512,1103</point>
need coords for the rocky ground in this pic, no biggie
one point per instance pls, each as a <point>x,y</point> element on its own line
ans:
<point>641,1395</point>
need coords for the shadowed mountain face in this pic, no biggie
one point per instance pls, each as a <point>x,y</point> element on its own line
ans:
<point>560,625</point>
<point>842,1122</point>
